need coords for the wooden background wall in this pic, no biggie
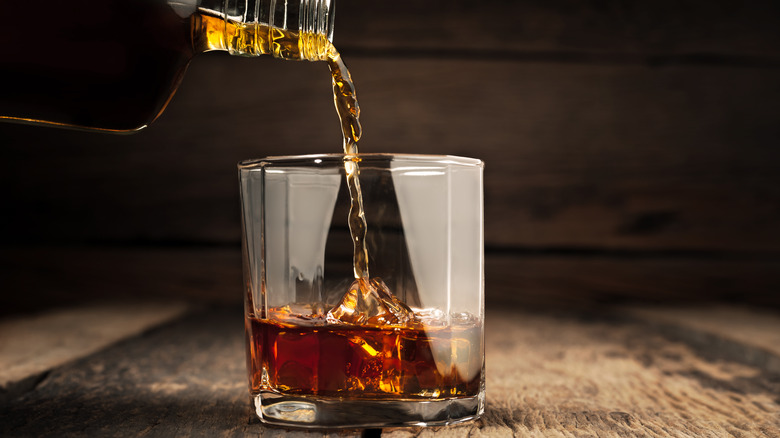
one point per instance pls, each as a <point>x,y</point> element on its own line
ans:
<point>631,152</point>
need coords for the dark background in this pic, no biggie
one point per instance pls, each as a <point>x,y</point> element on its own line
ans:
<point>631,154</point>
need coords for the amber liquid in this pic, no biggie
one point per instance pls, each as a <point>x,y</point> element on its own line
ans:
<point>345,99</point>
<point>114,65</point>
<point>307,357</point>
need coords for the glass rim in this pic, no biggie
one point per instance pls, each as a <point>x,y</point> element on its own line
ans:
<point>312,159</point>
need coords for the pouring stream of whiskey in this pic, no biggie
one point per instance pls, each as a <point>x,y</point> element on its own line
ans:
<point>368,301</point>
<point>345,99</point>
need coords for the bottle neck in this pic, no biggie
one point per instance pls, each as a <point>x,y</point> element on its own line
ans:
<point>287,29</point>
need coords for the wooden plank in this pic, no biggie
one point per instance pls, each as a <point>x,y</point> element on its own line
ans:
<point>33,345</point>
<point>743,333</point>
<point>592,282</point>
<point>57,277</point>
<point>608,156</point>
<point>547,376</point>
<point>499,28</point>
<point>67,276</point>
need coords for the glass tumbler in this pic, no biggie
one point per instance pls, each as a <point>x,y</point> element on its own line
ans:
<point>396,343</point>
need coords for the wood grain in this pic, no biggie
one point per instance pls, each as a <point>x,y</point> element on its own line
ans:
<point>548,375</point>
<point>562,28</point>
<point>32,345</point>
<point>592,281</point>
<point>742,333</point>
<point>57,277</point>
<point>582,156</point>
<point>53,277</point>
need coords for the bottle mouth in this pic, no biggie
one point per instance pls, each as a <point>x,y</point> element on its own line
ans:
<point>317,16</point>
<point>316,22</point>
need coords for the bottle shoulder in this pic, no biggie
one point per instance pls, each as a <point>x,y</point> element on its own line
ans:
<point>111,65</point>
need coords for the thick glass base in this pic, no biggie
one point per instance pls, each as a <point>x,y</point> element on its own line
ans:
<point>323,412</point>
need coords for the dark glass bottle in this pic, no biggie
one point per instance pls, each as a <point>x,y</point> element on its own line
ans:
<point>114,65</point>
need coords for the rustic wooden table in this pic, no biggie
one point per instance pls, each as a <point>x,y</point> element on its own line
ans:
<point>164,368</point>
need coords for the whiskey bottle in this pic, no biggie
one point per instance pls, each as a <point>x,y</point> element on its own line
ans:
<point>114,65</point>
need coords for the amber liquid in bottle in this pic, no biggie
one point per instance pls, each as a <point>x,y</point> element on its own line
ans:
<point>114,65</point>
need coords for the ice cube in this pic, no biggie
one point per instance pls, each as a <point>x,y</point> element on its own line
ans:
<point>370,303</point>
